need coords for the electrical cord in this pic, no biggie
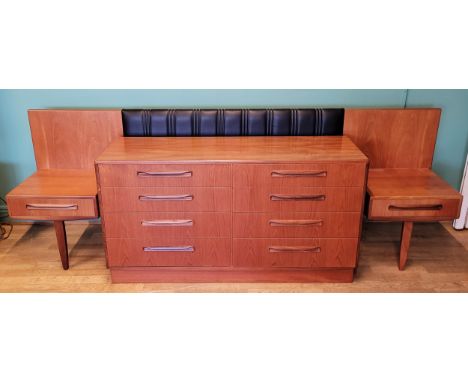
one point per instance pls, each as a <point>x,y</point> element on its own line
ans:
<point>4,231</point>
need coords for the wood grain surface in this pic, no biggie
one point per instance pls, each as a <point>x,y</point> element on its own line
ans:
<point>295,253</point>
<point>411,195</point>
<point>234,149</point>
<point>438,263</point>
<point>222,175</point>
<point>414,209</point>
<point>406,233</point>
<point>203,199</point>
<point>383,183</point>
<point>58,183</point>
<point>62,244</point>
<point>296,224</point>
<point>165,175</point>
<point>231,275</point>
<point>72,139</point>
<point>55,195</point>
<point>394,138</point>
<point>207,252</point>
<point>259,199</point>
<point>34,208</point>
<point>300,175</point>
<point>185,225</point>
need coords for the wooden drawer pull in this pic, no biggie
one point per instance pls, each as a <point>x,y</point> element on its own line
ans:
<point>167,223</point>
<point>167,174</point>
<point>183,248</point>
<point>277,197</point>
<point>39,206</point>
<point>427,207</point>
<point>298,173</point>
<point>293,249</point>
<point>294,223</point>
<point>165,197</point>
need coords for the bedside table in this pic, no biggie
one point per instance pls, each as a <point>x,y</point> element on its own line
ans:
<point>56,195</point>
<point>410,195</point>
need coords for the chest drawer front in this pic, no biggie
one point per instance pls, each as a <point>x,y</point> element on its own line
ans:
<point>169,252</point>
<point>302,175</point>
<point>161,175</point>
<point>166,199</point>
<point>295,253</point>
<point>298,224</point>
<point>150,225</point>
<point>414,208</point>
<point>52,208</point>
<point>296,199</point>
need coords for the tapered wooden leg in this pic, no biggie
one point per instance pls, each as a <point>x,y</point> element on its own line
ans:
<point>62,242</point>
<point>406,232</point>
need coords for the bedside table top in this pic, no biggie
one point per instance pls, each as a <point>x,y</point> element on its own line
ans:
<point>408,183</point>
<point>58,183</point>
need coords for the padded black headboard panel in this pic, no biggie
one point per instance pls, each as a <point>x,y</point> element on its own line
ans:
<point>234,122</point>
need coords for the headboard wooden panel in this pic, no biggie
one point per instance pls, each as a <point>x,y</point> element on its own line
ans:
<point>394,138</point>
<point>72,139</point>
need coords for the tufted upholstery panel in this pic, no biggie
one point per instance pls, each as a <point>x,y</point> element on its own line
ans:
<point>233,122</point>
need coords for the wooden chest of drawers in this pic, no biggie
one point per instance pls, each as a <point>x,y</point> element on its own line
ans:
<point>259,209</point>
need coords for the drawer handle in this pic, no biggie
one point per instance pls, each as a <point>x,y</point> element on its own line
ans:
<point>294,223</point>
<point>278,197</point>
<point>168,174</point>
<point>182,248</point>
<point>294,249</point>
<point>298,173</point>
<point>166,197</point>
<point>39,206</point>
<point>427,207</point>
<point>167,223</point>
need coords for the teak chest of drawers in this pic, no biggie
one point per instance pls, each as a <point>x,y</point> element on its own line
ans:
<point>232,209</point>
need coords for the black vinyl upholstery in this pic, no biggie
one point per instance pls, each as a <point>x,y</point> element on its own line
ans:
<point>232,122</point>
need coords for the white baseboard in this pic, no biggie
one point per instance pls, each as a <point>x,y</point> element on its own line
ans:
<point>462,221</point>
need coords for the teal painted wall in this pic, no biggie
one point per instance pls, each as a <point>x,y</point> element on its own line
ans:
<point>17,157</point>
<point>452,139</point>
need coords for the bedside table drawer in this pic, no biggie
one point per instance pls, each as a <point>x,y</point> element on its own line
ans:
<point>414,208</point>
<point>295,253</point>
<point>159,175</point>
<point>42,208</point>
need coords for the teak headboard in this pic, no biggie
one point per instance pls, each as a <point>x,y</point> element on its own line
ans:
<point>72,139</point>
<point>394,138</point>
<point>391,138</point>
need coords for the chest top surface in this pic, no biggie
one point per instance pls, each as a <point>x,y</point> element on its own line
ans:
<point>232,149</point>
